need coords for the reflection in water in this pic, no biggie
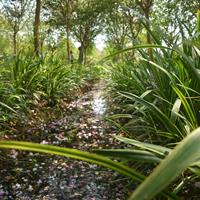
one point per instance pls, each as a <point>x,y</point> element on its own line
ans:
<point>98,104</point>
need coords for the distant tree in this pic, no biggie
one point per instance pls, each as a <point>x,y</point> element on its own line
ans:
<point>146,5</point>
<point>130,13</point>
<point>122,26</point>
<point>4,30</point>
<point>16,13</point>
<point>175,19</point>
<point>60,15</point>
<point>87,25</point>
<point>123,21</point>
<point>36,27</point>
<point>116,29</point>
<point>82,20</point>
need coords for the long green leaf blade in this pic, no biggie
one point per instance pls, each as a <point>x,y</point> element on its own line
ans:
<point>129,154</point>
<point>73,153</point>
<point>150,147</point>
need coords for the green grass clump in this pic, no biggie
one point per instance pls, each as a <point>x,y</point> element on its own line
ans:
<point>163,93</point>
<point>25,80</point>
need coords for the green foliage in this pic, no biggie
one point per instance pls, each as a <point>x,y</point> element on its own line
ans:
<point>152,89</point>
<point>25,79</point>
<point>184,155</point>
<point>157,95</point>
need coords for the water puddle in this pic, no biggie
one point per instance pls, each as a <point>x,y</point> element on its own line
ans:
<point>98,103</point>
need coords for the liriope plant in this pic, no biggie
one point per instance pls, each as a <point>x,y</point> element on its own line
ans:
<point>169,79</point>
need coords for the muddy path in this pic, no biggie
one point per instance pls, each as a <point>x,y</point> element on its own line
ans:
<point>26,175</point>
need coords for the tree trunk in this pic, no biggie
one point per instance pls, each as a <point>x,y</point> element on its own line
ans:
<point>68,43</point>
<point>85,55</point>
<point>81,54</point>
<point>68,28</point>
<point>36,28</point>
<point>146,13</point>
<point>146,6</point>
<point>15,42</point>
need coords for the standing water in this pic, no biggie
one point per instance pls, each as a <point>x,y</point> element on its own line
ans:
<point>98,101</point>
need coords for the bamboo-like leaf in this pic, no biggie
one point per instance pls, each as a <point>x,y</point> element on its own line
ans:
<point>163,151</point>
<point>184,154</point>
<point>73,153</point>
<point>184,56</point>
<point>8,107</point>
<point>129,154</point>
<point>142,46</point>
<point>160,68</point>
<point>144,155</point>
<point>188,109</point>
<point>175,110</point>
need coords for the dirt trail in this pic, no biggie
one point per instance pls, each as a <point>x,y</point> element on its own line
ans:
<point>34,176</point>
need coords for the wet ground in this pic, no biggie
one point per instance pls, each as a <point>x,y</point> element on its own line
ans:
<point>26,175</point>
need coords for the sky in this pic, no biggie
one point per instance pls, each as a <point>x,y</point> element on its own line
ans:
<point>99,42</point>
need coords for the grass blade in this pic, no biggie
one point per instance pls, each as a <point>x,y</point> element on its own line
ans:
<point>73,153</point>
<point>8,107</point>
<point>129,154</point>
<point>150,147</point>
<point>187,107</point>
<point>175,111</point>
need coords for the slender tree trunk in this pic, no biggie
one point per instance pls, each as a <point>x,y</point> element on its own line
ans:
<point>146,6</point>
<point>81,54</point>
<point>85,55</point>
<point>68,28</point>
<point>15,42</point>
<point>146,13</point>
<point>36,28</point>
<point>68,43</point>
